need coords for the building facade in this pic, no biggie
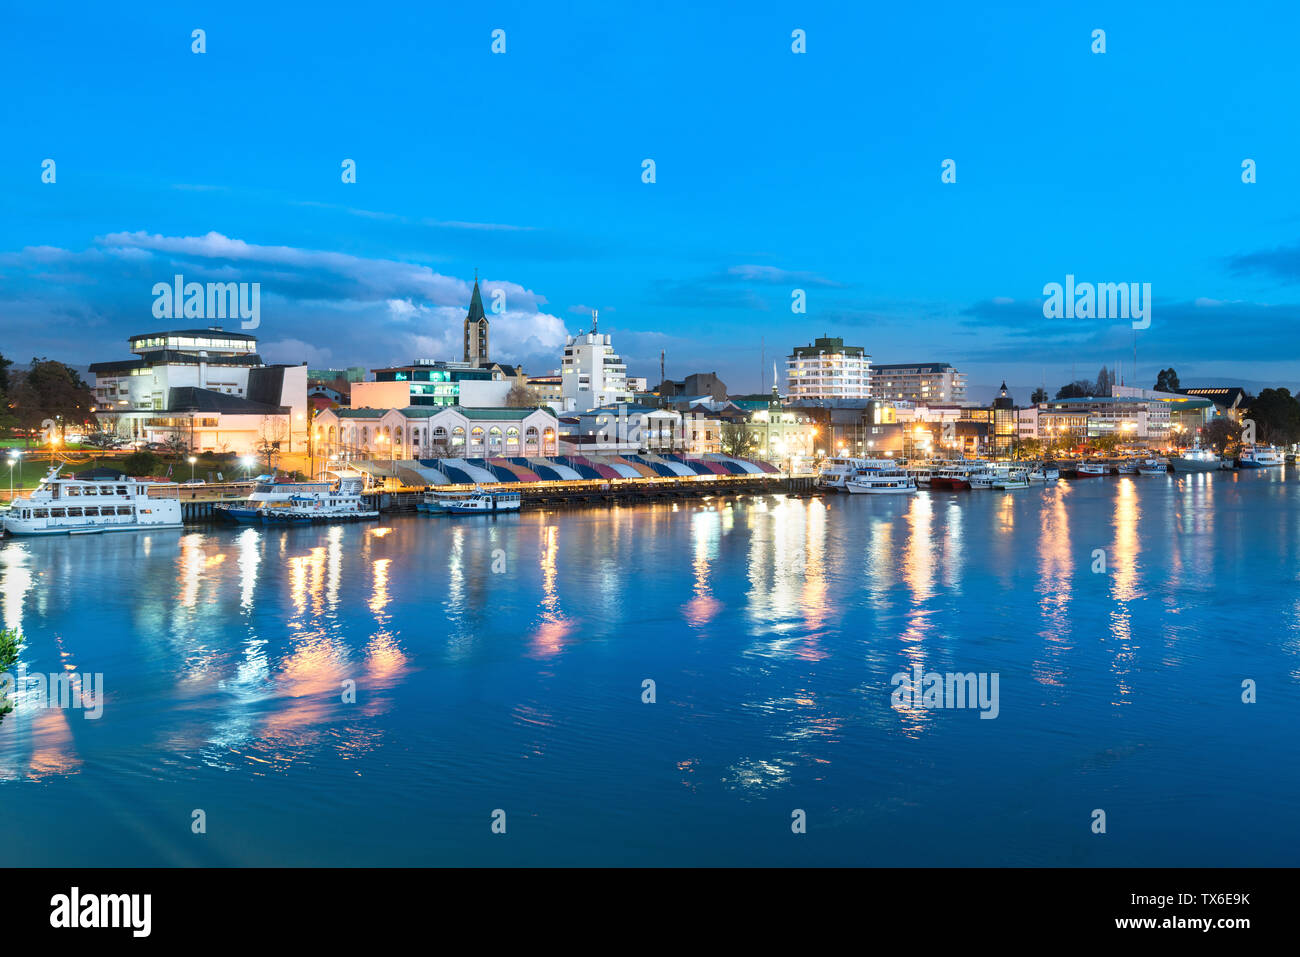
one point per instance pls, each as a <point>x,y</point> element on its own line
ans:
<point>423,432</point>
<point>204,389</point>
<point>922,383</point>
<point>430,382</point>
<point>592,373</point>
<point>828,369</point>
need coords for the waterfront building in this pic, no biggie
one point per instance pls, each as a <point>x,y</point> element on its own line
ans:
<point>328,376</point>
<point>205,388</point>
<point>592,374</point>
<point>828,369</point>
<point>422,432</point>
<point>432,382</point>
<point>696,385</point>
<point>921,383</point>
<point>1132,415</point>
<point>1005,424</point>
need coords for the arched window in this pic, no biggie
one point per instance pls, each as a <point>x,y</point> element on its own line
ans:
<point>494,435</point>
<point>397,435</point>
<point>365,436</point>
<point>458,435</point>
<point>476,435</point>
<point>512,434</point>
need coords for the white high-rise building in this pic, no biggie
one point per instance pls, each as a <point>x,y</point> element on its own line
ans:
<point>925,383</point>
<point>828,369</point>
<point>592,373</point>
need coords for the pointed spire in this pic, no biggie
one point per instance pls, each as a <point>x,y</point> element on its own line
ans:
<point>475,302</point>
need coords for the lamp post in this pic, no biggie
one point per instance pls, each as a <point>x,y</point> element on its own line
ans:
<point>192,460</point>
<point>13,460</point>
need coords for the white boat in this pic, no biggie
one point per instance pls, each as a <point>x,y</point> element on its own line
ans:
<point>1195,459</point>
<point>87,507</point>
<point>988,475</point>
<point>1011,478</point>
<point>957,476</point>
<point>1153,467</point>
<point>881,482</point>
<point>1260,457</point>
<point>268,493</point>
<point>1091,468</point>
<point>1044,473</point>
<point>837,471</point>
<point>1127,466</point>
<point>341,502</point>
<point>479,501</point>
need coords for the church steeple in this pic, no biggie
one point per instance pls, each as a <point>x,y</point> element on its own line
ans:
<point>476,328</point>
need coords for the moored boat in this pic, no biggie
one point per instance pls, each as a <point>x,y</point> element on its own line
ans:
<point>881,482</point>
<point>266,494</point>
<point>340,503</point>
<point>479,501</point>
<point>1153,467</point>
<point>1013,477</point>
<point>1260,457</point>
<point>1195,459</point>
<point>87,507</point>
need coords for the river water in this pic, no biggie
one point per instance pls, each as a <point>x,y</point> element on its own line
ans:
<point>500,670</point>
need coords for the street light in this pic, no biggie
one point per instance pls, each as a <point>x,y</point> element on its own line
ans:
<point>13,460</point>
<point>192,460</point>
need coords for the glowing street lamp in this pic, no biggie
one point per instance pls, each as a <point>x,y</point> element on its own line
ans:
<point>13,460</point>
<point>192,460</point>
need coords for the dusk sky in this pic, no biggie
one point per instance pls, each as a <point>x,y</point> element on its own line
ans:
<point>775,171</point>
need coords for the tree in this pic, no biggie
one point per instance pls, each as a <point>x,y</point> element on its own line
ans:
<point>1166,380</point>
<point>1040,395</point>
<point>274,430</point>
<point>1220,433</point>
<point>50,391</point>
<point>737,439</point>
<point>1077,389</point>
<point>1105,380</point>
<point>1276,416</point>
<point>522,397</point>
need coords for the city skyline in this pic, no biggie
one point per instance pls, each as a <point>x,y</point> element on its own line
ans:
<point>1068,162</point>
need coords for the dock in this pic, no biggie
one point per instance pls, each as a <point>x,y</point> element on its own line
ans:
<point>199,501</point>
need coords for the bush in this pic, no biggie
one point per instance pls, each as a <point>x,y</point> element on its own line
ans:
<point>140,463</point>
<point>10,642</point>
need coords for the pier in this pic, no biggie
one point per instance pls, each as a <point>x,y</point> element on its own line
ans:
<point>199,501</point>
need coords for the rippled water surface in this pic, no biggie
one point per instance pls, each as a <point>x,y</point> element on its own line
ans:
<point>499,664</point>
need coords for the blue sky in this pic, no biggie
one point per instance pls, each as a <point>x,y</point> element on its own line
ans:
<point>775,171</point>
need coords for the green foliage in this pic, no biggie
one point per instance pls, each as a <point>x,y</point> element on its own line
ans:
<point>737,439</point>
<point>140,463</point>
<point>10,642</point>
<point>50,390</point>
<point>1276,414</point>
<point>1166,380</point>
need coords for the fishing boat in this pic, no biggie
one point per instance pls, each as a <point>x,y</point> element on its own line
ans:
<point>265,494</point>
<point>1153,467</point>
<point>881,482</point>
<point>1195,459</point>
<point>988,475</point>
<point>480,501</point>
<point>87,507</point>
<point>1126,467</point>
<point>835,472</point>
<point>1012,478</point>
<point>1260,457</point>
<point>339,503</point>
<point>1089,469</point>
<point>956,476</point>
<point>1045,472</point>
